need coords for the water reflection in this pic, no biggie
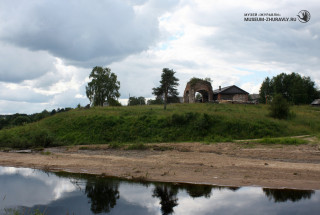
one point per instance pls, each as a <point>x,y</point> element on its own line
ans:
<point>168,197</point>
<point>103,194</point>
<point>62,193</point>
<point>283,195</point>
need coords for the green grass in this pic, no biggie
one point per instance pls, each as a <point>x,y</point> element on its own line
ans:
<point>13,211</point>
<point>45,153</point>
<point>283,141</point>
<point>146,124</point>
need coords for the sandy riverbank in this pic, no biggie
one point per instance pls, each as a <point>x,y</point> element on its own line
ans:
<point>221,164</point>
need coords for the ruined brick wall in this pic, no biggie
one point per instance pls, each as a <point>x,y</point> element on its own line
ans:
<point>200,86</point>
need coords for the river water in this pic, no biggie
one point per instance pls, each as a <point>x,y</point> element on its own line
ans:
<point>27,190</point>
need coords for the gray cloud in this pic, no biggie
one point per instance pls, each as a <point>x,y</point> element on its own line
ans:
<point>18,64</point>
<point>82,32</point>
<point>54,45</point>
<point>21,94</point>
<point>290,45</point>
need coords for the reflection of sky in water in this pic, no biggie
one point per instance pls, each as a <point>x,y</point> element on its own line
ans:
<point>32,189</point>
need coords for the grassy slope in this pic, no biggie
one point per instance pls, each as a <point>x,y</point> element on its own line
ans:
<point>181,122</point>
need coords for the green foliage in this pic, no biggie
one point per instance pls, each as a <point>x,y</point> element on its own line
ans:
<point>8,121</point>
<point>137,146</point>
<point>296,89</point>
<point>46,153</point>
<point>198,97</point>
<point>20,120</point>
<point>279,107</point>
<point>136,101</point>
<point>283,141</point>
<point>157,101</point>
<point>26,137</point>
<point>195,80</point>
<point>168,84</point>
<point>103,86</point>
<point>144,124</point>
<point>13,211</point>
<point>113,102</point>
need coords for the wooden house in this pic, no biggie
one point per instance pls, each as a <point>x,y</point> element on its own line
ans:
<point>231,94</point>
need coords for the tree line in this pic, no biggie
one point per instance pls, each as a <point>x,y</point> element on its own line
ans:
<point>293,87</point>
<point>11,120</point>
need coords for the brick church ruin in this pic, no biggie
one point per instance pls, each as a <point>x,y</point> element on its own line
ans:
<point>232,93</point>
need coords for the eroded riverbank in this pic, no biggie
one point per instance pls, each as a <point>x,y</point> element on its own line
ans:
<point>233,164</point>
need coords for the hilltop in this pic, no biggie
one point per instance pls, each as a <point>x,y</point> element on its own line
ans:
<point>148,124</point>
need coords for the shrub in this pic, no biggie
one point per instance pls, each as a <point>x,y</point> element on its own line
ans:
<point>137,146</point>
<point>279,107</point>
<point>42,138</point>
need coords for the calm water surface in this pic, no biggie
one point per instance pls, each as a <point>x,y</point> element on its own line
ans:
<point>60,193</point>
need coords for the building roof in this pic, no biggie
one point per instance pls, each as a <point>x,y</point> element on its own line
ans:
<point>233,89</point>
<point>316,102</point>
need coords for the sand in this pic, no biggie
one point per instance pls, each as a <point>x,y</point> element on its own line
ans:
<point>233,164</point>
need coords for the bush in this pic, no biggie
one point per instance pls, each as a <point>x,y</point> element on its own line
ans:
<point>41,137</point>
<point>279,107</point>
<point>20,120</point>
<point>137,146</point>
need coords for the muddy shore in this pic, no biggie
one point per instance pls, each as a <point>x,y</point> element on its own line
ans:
<point>233,164</point>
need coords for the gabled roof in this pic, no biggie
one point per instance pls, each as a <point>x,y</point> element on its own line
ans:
<point>233,89</point>
<point>316,102</point>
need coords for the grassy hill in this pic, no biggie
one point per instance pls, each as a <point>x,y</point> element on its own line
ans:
<point>180,122</point>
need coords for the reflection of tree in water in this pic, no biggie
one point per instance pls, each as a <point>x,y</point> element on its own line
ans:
<point>103,194</point>
<point>233,188</point>
<point>283,195</point>
<point>168,197</point>
<point>196,191</point>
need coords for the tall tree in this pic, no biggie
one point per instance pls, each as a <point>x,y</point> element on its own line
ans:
<point>167,86</point>
<point>265,90</point>
<point>102,87</point>
<point>294,88</point>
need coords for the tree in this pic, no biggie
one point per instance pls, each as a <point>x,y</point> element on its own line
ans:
<point>167,86</point>
<point>157,101</point>
<point>265,91</point>
<point>103,86</point>
<point>20,120</point>
<point>198,97</point>
<point>294,88</point>
<point>279,107</point>
<point>136,101</point>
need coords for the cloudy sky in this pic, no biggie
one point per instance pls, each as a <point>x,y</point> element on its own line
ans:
<point>49,47</point>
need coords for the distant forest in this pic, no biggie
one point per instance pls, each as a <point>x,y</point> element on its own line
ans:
<point>7,121</point>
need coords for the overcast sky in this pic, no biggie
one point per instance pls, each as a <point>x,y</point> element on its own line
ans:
<point>49,47</point>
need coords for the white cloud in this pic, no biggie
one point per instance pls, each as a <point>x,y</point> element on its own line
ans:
<point>49,55</point>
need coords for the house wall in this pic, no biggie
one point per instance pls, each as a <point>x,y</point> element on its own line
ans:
<point>225,97</point>
<point>233,97</point>
<point>240,97</point>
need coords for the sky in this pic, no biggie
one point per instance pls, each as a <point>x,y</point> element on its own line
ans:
<point>49,47</point>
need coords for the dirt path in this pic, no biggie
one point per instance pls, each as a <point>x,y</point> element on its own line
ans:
<point>222,164</point>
